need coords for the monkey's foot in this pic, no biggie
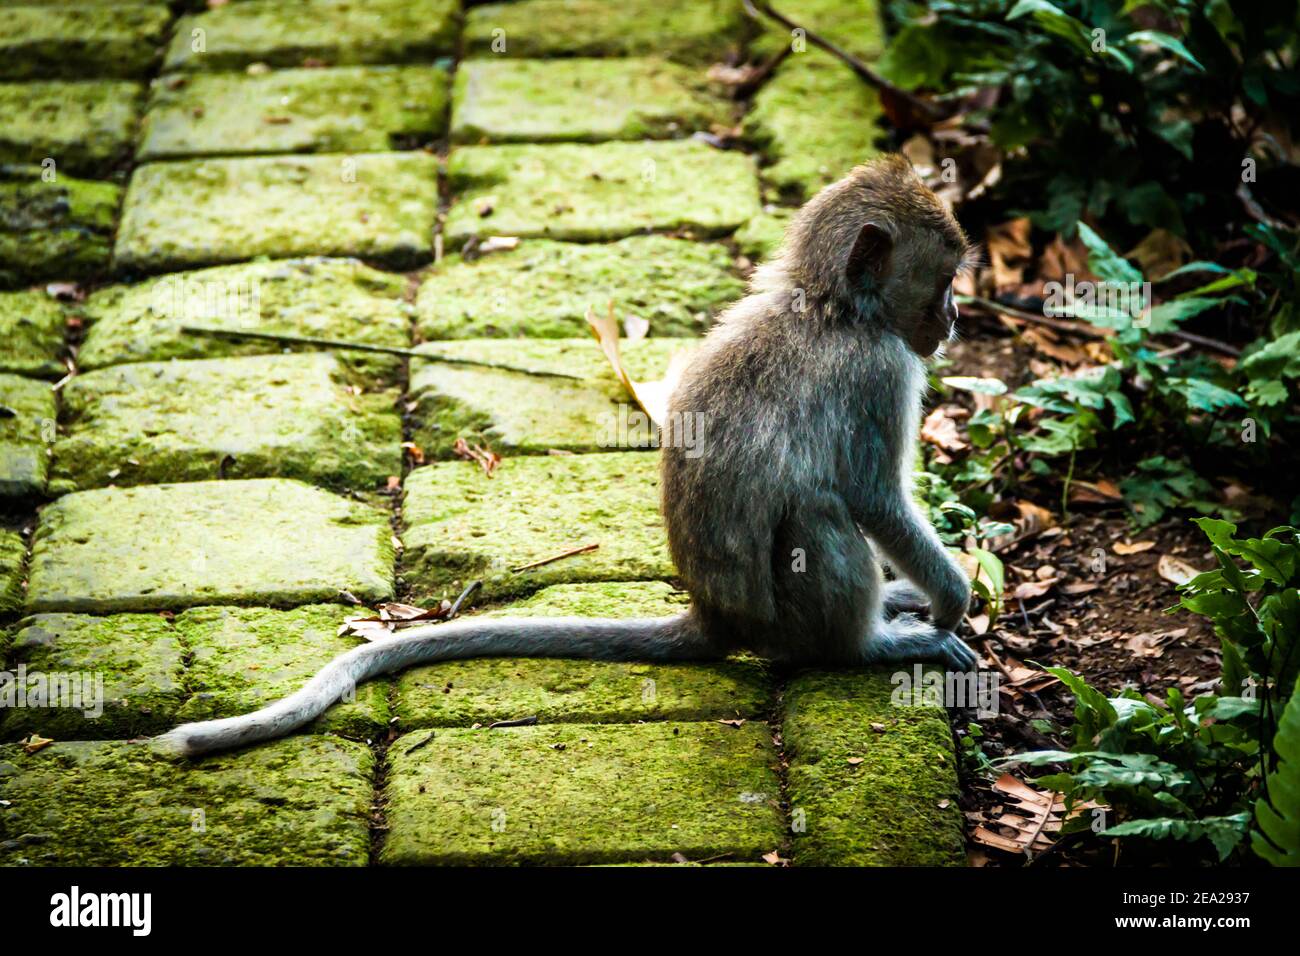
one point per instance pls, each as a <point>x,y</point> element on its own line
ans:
<point>904,638</point>
<point>903,595</point>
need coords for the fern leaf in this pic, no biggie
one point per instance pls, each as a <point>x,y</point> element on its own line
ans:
<point>1277,819</point>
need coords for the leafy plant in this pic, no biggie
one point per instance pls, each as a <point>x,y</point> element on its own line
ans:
<point>1191,771</point>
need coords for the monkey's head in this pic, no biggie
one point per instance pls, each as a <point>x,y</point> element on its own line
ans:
<point>878,246</point>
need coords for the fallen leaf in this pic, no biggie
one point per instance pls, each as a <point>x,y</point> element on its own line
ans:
<point>940,429</point>
<point>1175,570</point>
<point>1032,589</point>
<point>486,457</point>
<point>1136,547</point>
<point>35,742</point>
<point>734,722</point>
<point>854,761</point>
<point>1009,250</point>
<point>497,244</point>
<point>775,858</point>
<point>1030,822</point>
<point>651,396</point>
<point>1159,253</point>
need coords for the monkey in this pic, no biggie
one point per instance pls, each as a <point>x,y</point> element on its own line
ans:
<point>809,391</point>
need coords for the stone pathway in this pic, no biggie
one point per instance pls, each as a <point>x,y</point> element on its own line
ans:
<point>182,516</point>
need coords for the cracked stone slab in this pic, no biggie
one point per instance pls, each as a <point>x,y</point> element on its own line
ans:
<point>57,42</point>
<point>243,658</point>
<point>897,805</point>
<point>314,32</point>
<point>13,561</point>
<point>461,525</point>
<point>126,670</point>
<point>762,235</point>
<point>349,109</point>
<point>852,25</point>
<point>700,31</point>
<point>516,413</point>
<point>593,794</point>
<point>31,326</point>
<point>86,127</point>
<point>375,206</point>
<point>300,801</point>
<point>267,541</point>
<point>806,151</point>
<point>261,416</point>
<point>26,428</point>
<point>59,228</point>
<point>584,99</point>
<point>595,192</point>
<point>322,298</point>
<point>482,691</point>
<point>542,289</point>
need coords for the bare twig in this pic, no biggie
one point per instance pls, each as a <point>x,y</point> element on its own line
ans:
<point>362,347</point>
<point>517,722</point>
<point>557,557</point>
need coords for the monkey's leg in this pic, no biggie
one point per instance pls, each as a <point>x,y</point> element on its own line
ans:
<point>904,638</point>
<point>902,595</point>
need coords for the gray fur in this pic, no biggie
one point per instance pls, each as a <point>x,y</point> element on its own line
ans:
<point>809,394</point>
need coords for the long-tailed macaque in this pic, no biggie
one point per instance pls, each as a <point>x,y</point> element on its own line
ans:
<point>809,392</point>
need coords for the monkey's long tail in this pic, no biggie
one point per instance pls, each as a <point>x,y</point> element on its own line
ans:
<point>677,638</point>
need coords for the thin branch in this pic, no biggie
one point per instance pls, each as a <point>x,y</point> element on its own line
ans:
<point>557,557</point>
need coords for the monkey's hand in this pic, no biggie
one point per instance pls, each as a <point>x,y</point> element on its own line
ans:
<point>902,595</point>
<point>904,638</point>
<point>950,598</point>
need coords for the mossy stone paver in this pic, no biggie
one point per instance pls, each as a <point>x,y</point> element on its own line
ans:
<point>542,289</point>
<point>761,236</point>
<point>464,693</point>
<point>566,794</point>
<point>605,191</point>
<point>27,416</point>
<point>807,148</point>
<point>897,805</point>
<point>13,559</point>
<point>31,327</point>
<point>322,298</point>
<point>504,100</point>
<point>133,663</point>
<point>86,127</point>
<point>49,42</point>
<point>350,109</point>
<point>697,31</point>
<point>516,413</point>
<point>300,801</point>
<point>461,525</point>
<point>852,25</point>
<point>266,541</point>
<point>378,206</point>
<point>307,32</point>
<point>56,227</point>
<point>244,658</point>
<point>261,416</point>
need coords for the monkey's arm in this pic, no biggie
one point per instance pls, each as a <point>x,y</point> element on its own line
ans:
<point>910,544</point>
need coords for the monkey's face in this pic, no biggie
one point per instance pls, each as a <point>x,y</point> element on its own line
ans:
<point>937,321</point>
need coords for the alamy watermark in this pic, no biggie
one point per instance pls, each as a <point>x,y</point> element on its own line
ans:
<point>633,428</point>
<point>71,690</point>
<point>1098,300</point>
<point>922,687</point>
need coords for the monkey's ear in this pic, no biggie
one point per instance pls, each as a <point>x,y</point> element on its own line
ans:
<point>870,255</point>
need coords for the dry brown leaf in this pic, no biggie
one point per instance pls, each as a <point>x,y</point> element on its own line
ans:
<point>940,429</point>
<point>415,451</point>
<point>1032,589</point>
<point>1060,259</point>
<point>1009,250</point>
<point>775,858</point>
<point>35,742</point>
<point>1175,570</point>
<point>486,457</point>
<point>651,396</point>
<point>1124,548</point>
<point>1103,491</point>
<point>1159,253</point>
<point>1028,519</point>
<point>1031,820</point>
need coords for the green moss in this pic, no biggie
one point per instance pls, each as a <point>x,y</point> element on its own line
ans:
<point>542,289</point>
<point>463,693</point>
<point>242,659</point>
<point>261,542</point>
<point>516,413</point>
<point>31,326</point>
<point>504,100</point>
<point>13,559</point>
<point>809,148</point>
<point>27,416</point>
<point>51,42</point>
<point>350,109</point>
<point>323,298</point>
<point>332,32</point>
<point>853,25</point>
<point>606,191</point>
<point>762,235</point>
<point>263,416</point>
<point>133,660</point>
<point>702,31</point>
<point>87,128</point>
<point>565,794</point>
<point>898,805</point>
<point>60,229</point>
<point>301,801</point>
<point>461,525</point>
<point>378,206</point>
